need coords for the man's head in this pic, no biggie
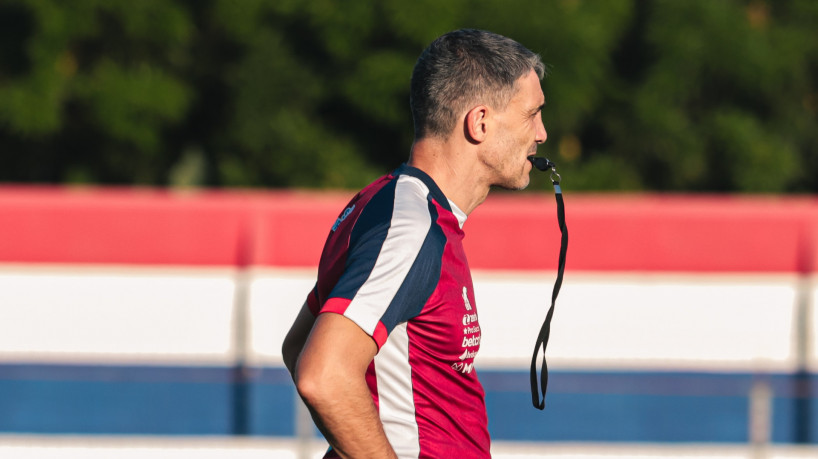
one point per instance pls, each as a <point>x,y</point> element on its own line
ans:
<point>464,68</point>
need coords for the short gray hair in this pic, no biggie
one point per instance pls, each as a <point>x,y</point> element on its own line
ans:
<point>466,67</point>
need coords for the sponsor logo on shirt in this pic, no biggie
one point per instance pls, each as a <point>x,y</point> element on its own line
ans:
<point>463,367</point>
<point>471,337</point>
<point>469,318</point>
<point>467,354</point>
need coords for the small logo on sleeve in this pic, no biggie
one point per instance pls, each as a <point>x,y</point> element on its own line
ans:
<point>343,217</point>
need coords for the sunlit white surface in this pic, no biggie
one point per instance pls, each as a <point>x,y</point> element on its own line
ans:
<point>685,322</point>
<point>188,316</point>
<point>117,315</point>
<point>275,297</point>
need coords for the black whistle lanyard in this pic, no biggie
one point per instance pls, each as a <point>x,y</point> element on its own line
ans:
<point>544,164</point>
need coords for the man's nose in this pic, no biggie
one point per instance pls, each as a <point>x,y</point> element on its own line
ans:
<point>542,135</point>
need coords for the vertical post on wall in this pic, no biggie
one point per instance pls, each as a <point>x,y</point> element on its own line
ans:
<point>240,373</point>
<point>760,413</point>
<point>802,392</point>
<point>303,429</point>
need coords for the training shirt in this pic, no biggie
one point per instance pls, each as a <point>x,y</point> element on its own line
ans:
<point>394,264</point>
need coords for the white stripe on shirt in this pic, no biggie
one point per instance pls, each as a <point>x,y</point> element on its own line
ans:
<point>408,229</point>
<point>396,404</point>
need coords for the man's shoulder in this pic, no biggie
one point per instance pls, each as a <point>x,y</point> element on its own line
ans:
<point>394,193</point>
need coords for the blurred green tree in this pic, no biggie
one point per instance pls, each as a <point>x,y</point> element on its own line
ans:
<point>642,94</point>
<point>91,87</point>
<point>711,96</point>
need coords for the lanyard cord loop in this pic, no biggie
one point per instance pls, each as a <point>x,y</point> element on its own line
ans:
<point>545,330</point>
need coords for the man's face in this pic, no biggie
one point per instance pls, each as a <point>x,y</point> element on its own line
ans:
<point>517,132</point>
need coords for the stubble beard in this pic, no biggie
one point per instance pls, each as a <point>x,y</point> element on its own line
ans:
<point>513,182</point>
<point>516,186</point>
<point>519,180</point>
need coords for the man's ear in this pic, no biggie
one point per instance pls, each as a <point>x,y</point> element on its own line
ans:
<point>477,124</point>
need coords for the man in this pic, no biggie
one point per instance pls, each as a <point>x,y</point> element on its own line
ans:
<point>382,351</point>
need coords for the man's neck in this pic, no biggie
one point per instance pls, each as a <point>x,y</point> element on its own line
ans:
<point>455,170</point>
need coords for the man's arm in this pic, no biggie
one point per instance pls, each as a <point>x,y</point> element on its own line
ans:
<point>296,337</point>
<point>330,377</point>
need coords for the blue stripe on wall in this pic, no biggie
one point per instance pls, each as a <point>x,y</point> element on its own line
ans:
<point>647,407</point>
<point>580,406</point>
<point>142,400</point>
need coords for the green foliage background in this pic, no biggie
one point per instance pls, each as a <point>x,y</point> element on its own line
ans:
<point>662,95</point>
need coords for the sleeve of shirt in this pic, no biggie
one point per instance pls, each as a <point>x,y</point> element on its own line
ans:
<point>394,261</point>
<point>312,301</point>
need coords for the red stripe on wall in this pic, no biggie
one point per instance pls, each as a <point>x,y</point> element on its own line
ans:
<point>115,226</point>
<point>646,233</point>
<point>509,231</point>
